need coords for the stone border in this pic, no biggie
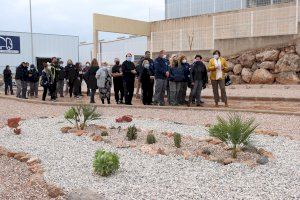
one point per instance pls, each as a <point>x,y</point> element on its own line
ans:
<point>35,167</point>
<point>155,107</point>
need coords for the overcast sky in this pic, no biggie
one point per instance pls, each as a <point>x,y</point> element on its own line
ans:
<point>73,17</point>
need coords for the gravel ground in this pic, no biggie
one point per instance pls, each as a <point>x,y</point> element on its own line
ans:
<point>68,162</point>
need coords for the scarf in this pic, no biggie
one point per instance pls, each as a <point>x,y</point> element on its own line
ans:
<point>218,65</point>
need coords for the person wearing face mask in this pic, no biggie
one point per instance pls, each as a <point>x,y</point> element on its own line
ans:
<point>33,81</point>
<point>8,80</point>
<point>184,84</point>
<point>118,81</point>
<point>104,82</point>
<point>147,77</point>
<point>218,67</point>
<point>129,72</point>
<point>47,80</point>
<point>71,76</point>
<point>91,79</point>
<point>161,75</point>
<point>199,80</point>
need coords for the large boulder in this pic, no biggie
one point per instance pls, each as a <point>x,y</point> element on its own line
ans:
<point>254,67</point>
<point>237,69</point>
<point>267,65</point>
<point>269,55</point>
<point>230,66</point>
<point>236,79</point>
<point>247,75</point>
<point>247,60</point>
<point>262,76</point>
<point>287,78</point>
<point>288,63</point>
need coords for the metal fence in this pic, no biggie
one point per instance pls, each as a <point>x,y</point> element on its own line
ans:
<point>200,32</point>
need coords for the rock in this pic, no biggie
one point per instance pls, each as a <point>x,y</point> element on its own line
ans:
<point>236,79</point>
<point>19,156</point>
<point>17,131</point>
<point>281,54</point>
<point>254,67</point>
<point>65,129</point>
<point>288,78</point>
<point>215,141</point>
<point>288,63</point>
<point>101,127</point>
<point>36,168</point>
<point>290,49</point>
<point>170,134</point>
<point>37,179</point>
<point>80,132</point>
<point>228,161</point>
<point>250,149</point>
<point>13,122</point>
<point>269,55</point>
<point>262,160</point>
<point>247,60</point>
<point>208,125</point>
<point>161,151</point>
<point>84,194</point>
<point>263,152</point>
<point>186,155</point>
<point>230,66</point>
<point>3,151</point>
<point>32,161</point>
<point>247,75</point>
<point>262,76</point>
<point>10,154</point>
<point>122,145</point>
<point>97,138</point>
<point>133,145</point>
<point>268,132</point>
<point>297,47</point>
<point>54,191</point>
<point>25,158</point>
<point>197,153</point>
<point>125,118</point>
<point>267,65</point>
<point>237,69</point>
<point>206,151</point>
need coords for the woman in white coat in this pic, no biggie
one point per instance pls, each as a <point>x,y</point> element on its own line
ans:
<point>104,82</point>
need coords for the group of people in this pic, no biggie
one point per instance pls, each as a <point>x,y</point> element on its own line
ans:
<point>166,75</point>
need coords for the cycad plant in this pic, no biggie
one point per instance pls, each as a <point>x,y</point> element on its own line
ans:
<point>234,131</point>
<point>80,115</point>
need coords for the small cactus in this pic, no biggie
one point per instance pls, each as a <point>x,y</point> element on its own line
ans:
<point>131,133</point>
<point>151,138</point>
<point>177,140</point>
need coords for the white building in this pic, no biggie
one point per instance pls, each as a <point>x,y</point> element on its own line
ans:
<point>114,49</point>
<point>15,47</point>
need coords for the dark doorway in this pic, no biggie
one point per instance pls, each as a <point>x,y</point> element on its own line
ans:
<point>39,63</point>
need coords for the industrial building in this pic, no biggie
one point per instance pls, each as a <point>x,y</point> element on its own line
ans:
<point>15,47</point>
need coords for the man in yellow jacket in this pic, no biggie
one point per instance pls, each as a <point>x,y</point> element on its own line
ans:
<point>218,67</point>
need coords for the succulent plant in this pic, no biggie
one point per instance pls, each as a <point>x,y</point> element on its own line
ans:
<point>177,140</point>
<point>151,138</point>
<point>105,163</point>
<point>131,133</point>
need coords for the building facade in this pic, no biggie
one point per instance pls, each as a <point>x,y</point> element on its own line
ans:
<point>185,8</point>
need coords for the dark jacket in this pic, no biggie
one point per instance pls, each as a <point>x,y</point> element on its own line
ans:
<point>19,72</point>
<point>161,67</point>
<point>199,72</point>
<point>177,74</point>
<point>186,71</point>
<point>7,75</point>
<point>140,68</point>
<point>145,76</point>
<point>61,73</point>
<point>24,74</point>
<point>117,69</point>
<point>90,76</point>
<point>71,74</point>
<point>33,75</point>
<point>126,69</point>
<point>46,79</point>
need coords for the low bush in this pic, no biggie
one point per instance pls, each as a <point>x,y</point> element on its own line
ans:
<point>104,133</point>
<point>234,131</point>
<point>131,133</point>
<point>177,140</point>
<point>105,163</point>
<point>151,138</point>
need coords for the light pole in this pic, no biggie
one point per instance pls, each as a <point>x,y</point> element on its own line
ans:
<point>31,35</point>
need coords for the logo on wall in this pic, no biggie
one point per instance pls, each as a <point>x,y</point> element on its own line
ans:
<point>10,44</point>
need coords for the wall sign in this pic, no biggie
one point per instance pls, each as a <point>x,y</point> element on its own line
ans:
<point>10,44</point>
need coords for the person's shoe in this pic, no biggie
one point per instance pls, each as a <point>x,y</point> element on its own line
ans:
<point>102,100</point>
<point>201,102</point>
<point>62,96</point>
<point>199,105</point>
<point>108,101</point>
<point>161,104</point>
<point>226,105</point>
<point>188,104</point>
<point>6,93</point>
<point>216,105</point>
<point>121,102</point>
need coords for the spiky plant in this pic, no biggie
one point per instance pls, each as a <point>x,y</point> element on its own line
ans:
<point>234,131</point>
<point>89,114</point>
<point>177,140</point>
<point>73,116</point>
<point>105,163</point>
<point>131,133</point>
<point>151,138</point>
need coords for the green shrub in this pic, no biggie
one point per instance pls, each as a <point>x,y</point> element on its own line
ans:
<point>80,115</point>
<point>105,163</point>
<point>177,140</point>
<point>151,138</point>
<point>104,133</point>
<point>234,132</point>
<point>131,133</point>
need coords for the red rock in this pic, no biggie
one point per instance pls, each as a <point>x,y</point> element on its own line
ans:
<point>25,158</point>
<point>11,154</point>
<point>145,149</point>
<point>228,161</point>
<point>32,161</point>
<point>35,168</point>
<point>198,153</point>
<point>97,138</point>
<point>179,152</point>
<point>13,122</point>
<point>186,155</point>
<point>17,131</point>
<point>125,118</point>
<point>170,134</point>
<point>268,154</point>
<point>161,151</point>
<point>80,132</point>
<point>133,145</point>
<point>101,127</point>
<point>54,191</point>
<point>20,155</point>
<point>3,151</point>
<point>65,129</point>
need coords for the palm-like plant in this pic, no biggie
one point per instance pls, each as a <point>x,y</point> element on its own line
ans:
<point>234,131</point>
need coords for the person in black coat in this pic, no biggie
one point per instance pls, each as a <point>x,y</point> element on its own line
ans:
<point>147,77</point>
<point>71,75</point>
<point>118,81</point>
<point>33,79</point>
<point>47,80</point>
<point>199,80</point>
<point>18,79</point>
<point>90,76</point>
<point>8,80</point>
<point>24,80</point>
<point>61,81</point>
<point>129,72</point>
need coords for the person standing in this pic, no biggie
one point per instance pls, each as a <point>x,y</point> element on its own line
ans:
<point>47,81</point>
<point>8,80</point>
<point>184,84</point>
<point>129,72</point>
<point>34,78</point>
<point>147,77</point>
<point>71,76</point>
<point>55,70</point>
<point>91,79</point>
<point>77,82</point>
<point>161,75</point>
<point>199,80</point>
<point>61,80</point>
<point>24,80</point>
<point>18,79</point>
<point>85,69</point>
<point>175,80</point>
<point>118,81</point>
<point>218,67</point>
<point>104,83</point>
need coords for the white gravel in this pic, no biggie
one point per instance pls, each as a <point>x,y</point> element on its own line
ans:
<point>68,162</point>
